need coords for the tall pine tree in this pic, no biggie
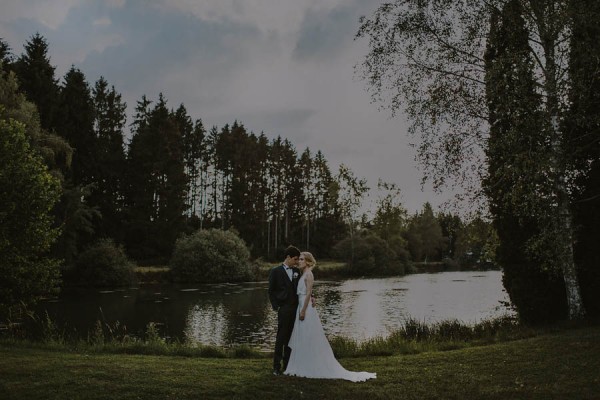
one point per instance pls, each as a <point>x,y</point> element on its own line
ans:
<point>157,184</point>
<point>37,80</point>
<point>109,122</point>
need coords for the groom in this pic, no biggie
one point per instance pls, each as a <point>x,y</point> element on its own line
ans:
<point>283,282</point>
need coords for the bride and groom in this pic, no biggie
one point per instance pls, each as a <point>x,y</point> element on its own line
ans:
<point>301,344</point>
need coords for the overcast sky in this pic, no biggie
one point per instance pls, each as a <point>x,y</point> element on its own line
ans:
<point>282,67</point>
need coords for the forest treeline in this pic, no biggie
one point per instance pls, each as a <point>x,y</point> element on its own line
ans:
<point>174,176</point>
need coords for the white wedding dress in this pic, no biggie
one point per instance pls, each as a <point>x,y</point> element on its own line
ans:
<point>311,355</point>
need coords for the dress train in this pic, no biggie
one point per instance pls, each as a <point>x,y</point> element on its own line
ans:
<point>312,356</point>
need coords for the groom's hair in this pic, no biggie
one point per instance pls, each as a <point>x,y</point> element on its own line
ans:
<point>291,251</point>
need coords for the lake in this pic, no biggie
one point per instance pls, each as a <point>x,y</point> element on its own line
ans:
<point>226,314</point>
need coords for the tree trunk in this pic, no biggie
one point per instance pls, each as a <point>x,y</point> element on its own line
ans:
<point>286,225</point>
<point>547,28</point>
<point>574,301</point>
<point>202,194</point>
<point>268,238</point>
<point>565,237</point>
<point>276,242</point>
<point>308,233</point>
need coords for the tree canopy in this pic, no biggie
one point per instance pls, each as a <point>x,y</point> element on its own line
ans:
<point>486,87</point>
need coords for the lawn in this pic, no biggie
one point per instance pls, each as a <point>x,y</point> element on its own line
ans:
<point>560,365</point>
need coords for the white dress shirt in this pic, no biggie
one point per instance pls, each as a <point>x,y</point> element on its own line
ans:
<point>288,271</point>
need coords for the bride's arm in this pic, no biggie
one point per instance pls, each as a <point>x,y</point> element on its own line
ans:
<point>310,279</point>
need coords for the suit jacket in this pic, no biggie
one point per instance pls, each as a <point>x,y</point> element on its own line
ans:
<point>282,291</point>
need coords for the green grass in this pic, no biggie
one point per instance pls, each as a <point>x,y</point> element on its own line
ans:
<point>559,365</point>
<point>324,269</point>
<point>146,269</point>
<point>160,273</point>
<point>152,274</point>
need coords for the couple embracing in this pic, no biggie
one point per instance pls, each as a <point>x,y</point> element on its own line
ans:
<point>301,344</point>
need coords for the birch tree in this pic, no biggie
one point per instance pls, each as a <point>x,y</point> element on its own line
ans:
<point>427,59</point>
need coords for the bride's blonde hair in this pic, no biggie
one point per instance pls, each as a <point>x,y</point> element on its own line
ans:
<point>309,258</point>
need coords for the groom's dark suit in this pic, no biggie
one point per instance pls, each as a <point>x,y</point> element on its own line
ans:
<point>284,300</point>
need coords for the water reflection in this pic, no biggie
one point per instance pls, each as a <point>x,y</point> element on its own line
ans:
<point>226,314</point>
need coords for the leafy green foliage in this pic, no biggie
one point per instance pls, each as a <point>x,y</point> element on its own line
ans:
<point>475,243</point>
<point>55,150</point>
<point>368,254</point>
<point>27,193</point>
<point>424,60</point>
<point>527,101</point>
<point>583,125</point>
<point>390,221</point>
<point>79,219</point>
<point>210,255</point>
<point>517,182</point>
<point>424,235</point>
<point>103,264</point>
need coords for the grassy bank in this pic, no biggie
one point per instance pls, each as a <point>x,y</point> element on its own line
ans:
<point>152,274</point>
<point>160,274</point>
<point>412,338</point>
<point>325,269</point>
<point>560,365</point>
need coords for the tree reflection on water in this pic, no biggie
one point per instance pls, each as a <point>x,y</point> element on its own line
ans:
<point>227,314</point>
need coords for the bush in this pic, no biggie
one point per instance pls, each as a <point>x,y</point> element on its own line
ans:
<point>372,256</point>
<point>27,194</point>
<point>103,264</point>
<point>209,256</point>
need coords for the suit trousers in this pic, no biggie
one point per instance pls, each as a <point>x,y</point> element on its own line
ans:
<point>286,315</point>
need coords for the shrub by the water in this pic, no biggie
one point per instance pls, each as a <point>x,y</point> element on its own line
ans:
<point>372,256</point>
<point>210,255</point>
<point>27,194</point>
<point>103,264</point>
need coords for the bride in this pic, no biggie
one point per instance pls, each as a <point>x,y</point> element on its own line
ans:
<point>311,355</point>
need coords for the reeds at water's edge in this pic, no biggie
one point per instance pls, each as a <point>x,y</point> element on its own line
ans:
<point>412,338</point>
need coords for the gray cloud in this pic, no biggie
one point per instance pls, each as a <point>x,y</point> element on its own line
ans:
<point>323,35</point>
<point>281,122</point>
<point>283,69</point>
<point>159,42</point>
